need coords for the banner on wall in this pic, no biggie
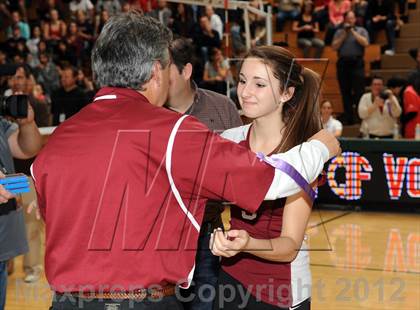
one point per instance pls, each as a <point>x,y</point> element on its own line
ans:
<point>373,171</point>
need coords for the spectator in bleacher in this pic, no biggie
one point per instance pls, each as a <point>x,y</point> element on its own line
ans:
<point>44,8</point>
<point>4,17</point>
<point>287,10</point>
<point>75,41</point>
<point>328,121</point>
<point>84,5</point>
<point>183,23</point>
<point>207,37</point>
<point>85,84</point>
<point>215,20</point>
<point>54,30</point>
<point>379,110</point>
<point>69,98</point>
<point>47,74</point>
<point>412,106</point>
<point>359,8</point>
<point>336,13</point>
<point>380,14</point>
<point>143,5</point>
<point>306,27</point>
<point>85,31</point>
<point>112,6</point>
<point>237,38</point>
<point>64,56</point>
<point>101,21</point>
<point>216,72</point>
<point>32,43</point>
<point>257,25</point>
<point>162,13</point>
<point>321,13</point>
<point>350,42</point>
<point>11,45</point>
<point>23,26</point>
<point>125,6</point>
<point>85,26</point>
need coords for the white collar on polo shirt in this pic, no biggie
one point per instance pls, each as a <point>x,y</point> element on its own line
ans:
<point>106,97</point>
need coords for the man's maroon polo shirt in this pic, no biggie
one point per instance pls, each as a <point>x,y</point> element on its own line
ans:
<point>113,222</point>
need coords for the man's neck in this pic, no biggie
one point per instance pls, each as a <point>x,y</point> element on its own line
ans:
<point>183,101</point>
<point>70,88</point>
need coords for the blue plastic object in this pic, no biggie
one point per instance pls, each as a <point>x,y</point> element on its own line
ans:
<point>16,183</point>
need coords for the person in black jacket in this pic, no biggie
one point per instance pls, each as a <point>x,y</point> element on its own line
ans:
<point>380,15</point>
<point>68,99</point>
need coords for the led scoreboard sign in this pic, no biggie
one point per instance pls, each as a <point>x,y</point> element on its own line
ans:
<point>370,172</point>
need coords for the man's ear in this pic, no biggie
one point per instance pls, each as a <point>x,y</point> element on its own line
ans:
<point>156,73</point>
<point>187,71</point>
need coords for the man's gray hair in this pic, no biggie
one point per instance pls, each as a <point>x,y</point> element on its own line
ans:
<point>126,49</point>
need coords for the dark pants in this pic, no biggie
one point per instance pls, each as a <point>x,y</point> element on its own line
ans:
<point>64,302</point>
<point>389,27</point>
<point>351,78</point>
<point>3,283</point>
<point>205,275</point>
<point>229,302</point>
<point>282,16</point>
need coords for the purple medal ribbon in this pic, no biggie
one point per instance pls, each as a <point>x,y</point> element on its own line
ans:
<point>290,171</point>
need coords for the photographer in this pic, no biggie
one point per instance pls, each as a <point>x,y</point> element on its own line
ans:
<point>21,140</point>
<point>350,43</point>
<point>379,110</point>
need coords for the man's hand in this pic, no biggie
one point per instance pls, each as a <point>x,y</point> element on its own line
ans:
<point>29,118</point>
<point>329,140</point>
<point>34,206</point>
<point>379,102</point>
<point>376,18</point>
<point>4,194</point>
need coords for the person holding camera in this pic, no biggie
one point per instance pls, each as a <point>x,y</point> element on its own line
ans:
<point>20,140</point>
<point>379,110</point>
<point>350,42</point>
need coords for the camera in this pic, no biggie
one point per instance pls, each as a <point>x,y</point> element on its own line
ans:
<point>15,106</point>
<point>384,95</point>
<point>347,27</point>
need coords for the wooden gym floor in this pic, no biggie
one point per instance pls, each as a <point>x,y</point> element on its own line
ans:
<point>360,260</point>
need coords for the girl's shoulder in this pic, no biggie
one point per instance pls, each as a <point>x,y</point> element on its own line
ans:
<point>236,134</point>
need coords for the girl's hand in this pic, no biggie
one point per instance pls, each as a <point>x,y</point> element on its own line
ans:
<point>228,244</point>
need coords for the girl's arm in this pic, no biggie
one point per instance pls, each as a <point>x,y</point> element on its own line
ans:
<point>281,249</point>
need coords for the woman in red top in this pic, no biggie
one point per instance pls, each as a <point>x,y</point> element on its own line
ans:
<point>55,30</point>
<point>336,11</point>
<point>412,106</point>
<point>261,257</point>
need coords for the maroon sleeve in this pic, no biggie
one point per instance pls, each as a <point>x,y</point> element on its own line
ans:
<point>206,165</point>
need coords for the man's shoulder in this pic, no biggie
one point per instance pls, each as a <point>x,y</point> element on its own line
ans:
<point>366,96</point>
<point>213,98</point>
<point>361,30</point>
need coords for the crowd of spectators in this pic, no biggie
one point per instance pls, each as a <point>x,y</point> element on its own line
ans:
<point>54,39</point>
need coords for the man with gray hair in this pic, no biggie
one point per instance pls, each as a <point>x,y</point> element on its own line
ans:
<point>122,184</point>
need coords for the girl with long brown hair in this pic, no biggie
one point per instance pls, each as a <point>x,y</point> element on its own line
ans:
<point>262,253</point>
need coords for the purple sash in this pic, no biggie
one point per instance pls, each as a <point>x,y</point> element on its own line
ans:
<point>291,172</point>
